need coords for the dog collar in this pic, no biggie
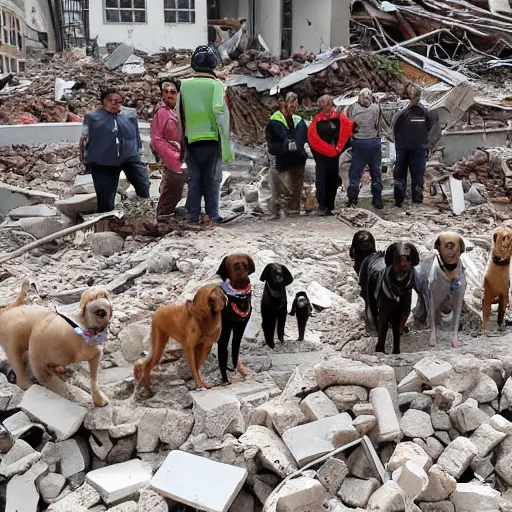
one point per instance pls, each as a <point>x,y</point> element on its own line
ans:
<point>91,336</point>
<point>238,296</point>
<point>500,262</point>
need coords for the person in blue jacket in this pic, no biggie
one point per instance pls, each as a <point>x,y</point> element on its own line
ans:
<point>286,135</point>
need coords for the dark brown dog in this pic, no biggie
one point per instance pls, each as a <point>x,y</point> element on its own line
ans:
<point>497,278</point>
<point>235,270</point>
<point>195,325</point>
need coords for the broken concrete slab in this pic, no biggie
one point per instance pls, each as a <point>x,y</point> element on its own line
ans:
<point>74,456</point>
<point>457,457</point>
<point>331,474</point>
<point>80,500</point>
<point>355,492</point>
<point>486,439</point>
<point>440,485</point>
<point>100,443</point>
<point>433,370</point>
<point>36,210</point>
<point>19,458</point>
<point>409,451</point>
<point>299,495</point>
<point>416,423</point>
<point>467,417</point>
<point>81,204</point>
<point>179,476</point>
<point>412,382</point>
<point>345,372</point>
<point>475,497</point>
<point>51,486</point>
<point>22,494</point>
<point>318,406</point>
<point>412,479</point>
<point>389,428</point>
<point>119,481</point>
<point>388,497</point>
<point>60,415</point>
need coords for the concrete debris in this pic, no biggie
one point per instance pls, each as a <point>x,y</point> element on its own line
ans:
<point>318,406</point>
<point>389,427</point>
<point>300,494</point>
<point>51,486</point>
<point>457,457</point>
<point>440,485</point>
<point>356,493</point>
<point>332,474</point>
<point>19,458</point>
<point>416,423</point>
<point>475,497</point>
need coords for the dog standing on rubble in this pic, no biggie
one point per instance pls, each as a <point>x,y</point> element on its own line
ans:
<point>497,277</point>
<point>441,285</point>
<point>54,340</point>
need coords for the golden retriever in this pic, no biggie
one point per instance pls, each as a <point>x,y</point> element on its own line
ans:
<point>195,324</point>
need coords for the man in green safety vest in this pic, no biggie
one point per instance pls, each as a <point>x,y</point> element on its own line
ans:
<point>204,123</point>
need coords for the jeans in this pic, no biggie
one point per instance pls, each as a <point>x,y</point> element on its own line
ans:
<point>327,180</point>
<point>416,161</point>
<point>365,152</point>
<point>106,181</point>
<point>204,178</point>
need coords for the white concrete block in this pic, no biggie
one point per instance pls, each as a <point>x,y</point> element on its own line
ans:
<point>22,495</point>
<point>19,458</point>
<point>60,415</point>
<point>74,457</point>
<point>389,427</point>
<point>301,494</point>
<point>412,479</point>
<point>199,482</point>
<point>411,382</point>
<point>119,480</point>
<point>318,406</point>
<point>433,370</point>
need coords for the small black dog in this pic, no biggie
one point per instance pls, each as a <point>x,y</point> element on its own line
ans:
<point>274,305</point>
<point>301,308</point>
<point>363,245</point>
<point>387,281</point>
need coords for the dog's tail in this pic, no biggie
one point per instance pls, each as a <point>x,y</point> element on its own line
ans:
<point>18,301</point>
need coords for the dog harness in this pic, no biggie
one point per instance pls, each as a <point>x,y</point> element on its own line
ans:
<point>91,336</point>
<point>500,262</point>
<point>239,299</point>
<point>392,290</point>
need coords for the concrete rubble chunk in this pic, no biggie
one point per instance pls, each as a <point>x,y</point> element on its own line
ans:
<point>331,474</point>
<point>345,397</point>
<point>60,415</point>
<point>440,506</point>
<point>127,506</point>
<point>51,486</point>
<point>356,493</point>
<point>99,418</point>
<point>150,501</point>
<point>504,461</point>
<point>486,439</point>
<point>348,373</point>
<point>6,440</point>
<point>433,370</point>
<point>216,414</point>
<point>74,456</point>
<point>485,391</point>
<point>467,417</point>
<point>106,243</point>
<point>310,441</point>
<point>278,414</point>
<point>80,500</point>
<point>446,399</point>
<point>483,466</point>
<point>176,428</point>
<point>272,453</point>
<point>440,419</point>
<point>122,451</point>
<point>19,458</point>
<point>35,210</point>
<point>119,481</point>
<point>301,382</point>
<point>409,451</point>
<point>475,497</point>
<point>412,479</point>
<point>364,424</point>
<point>506,396</point>
<point>389,428</point>
<point>388,498</point>
<point>416,423</point>
<point>440,485</point>
<point>149,429</point>
<point>178,476</point>
<point>443,437</point>
<point>81,204</point>
<point>22,494</point>
<point>101,444</point>
<point>17,424</point>
<point>457,457</point>
<point>360,466</point>
<point>501,424</point>
<point>363,410</point>
<point>411,382</point>
<point>434,448</point>
<point>318,406</point>
<point>300,494</point>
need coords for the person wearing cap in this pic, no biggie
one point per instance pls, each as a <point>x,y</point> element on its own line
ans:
<point>204,123</point>
<point>286,135</point>
<point>366,148</point>
<point>328,135</point>
<point>111,143</point>
<point>165,142</point>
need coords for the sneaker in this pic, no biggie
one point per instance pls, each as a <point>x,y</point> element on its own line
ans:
<point>399,204</point>
<point>377,203</point>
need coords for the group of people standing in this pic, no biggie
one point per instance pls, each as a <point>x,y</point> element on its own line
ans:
<point>190,139</point>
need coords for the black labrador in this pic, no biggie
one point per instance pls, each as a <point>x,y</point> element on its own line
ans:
<point>363,245</point>
<point>387,281</point>
<point>301,309</point>
<point>274,304</point>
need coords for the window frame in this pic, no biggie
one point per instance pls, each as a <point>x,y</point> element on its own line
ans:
<point>119,9</point>
<point>11,29</point>
<point>190,10</point>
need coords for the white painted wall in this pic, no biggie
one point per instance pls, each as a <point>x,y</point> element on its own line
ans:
<point>152,35</point>
<point>268,23</point>
<point>340,24</point>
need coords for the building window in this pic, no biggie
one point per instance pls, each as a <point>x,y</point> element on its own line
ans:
<point>10,30</point>
<point>125,11</point>
<point>179,11</point>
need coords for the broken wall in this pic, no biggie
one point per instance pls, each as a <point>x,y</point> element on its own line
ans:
<point>234,9</point>
<point>268,23</point>
<point>38,19</point>
<point>153,35</point>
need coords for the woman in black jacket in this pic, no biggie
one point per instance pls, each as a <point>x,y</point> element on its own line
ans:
<point>286,135</point>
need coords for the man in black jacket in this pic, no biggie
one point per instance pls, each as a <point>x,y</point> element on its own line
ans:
<point>411,128</point>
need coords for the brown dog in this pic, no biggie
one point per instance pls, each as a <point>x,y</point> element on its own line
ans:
<point>195,324</point>
<point>18,301</point>
<point>54,341</point>
<point>497,277</point>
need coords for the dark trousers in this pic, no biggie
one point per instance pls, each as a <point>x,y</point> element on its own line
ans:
<point>106,181</point>
<point>204,162</point>
<point>365,152</point>
<point>171,191</point>
<point>231,323</point>
<point>416,161</point>
<point>327,180</point>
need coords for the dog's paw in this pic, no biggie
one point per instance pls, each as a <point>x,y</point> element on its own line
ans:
<point>204,384</point>
<point>100,399</point>
<point>244,371</point>
<point>455,344</point>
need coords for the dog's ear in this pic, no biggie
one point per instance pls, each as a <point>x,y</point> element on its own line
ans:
<point>389,257</point>
<point>294,306</point>
<point>288,278</point>
<point>351,252</point>
<point>223,269</point>
<point>250,265</point>
<point>495,237</point>
<point>84,300</point>
<point>437,243</point>
<point>462,245</point>
<point>415,255</point>
<point>264,276</point>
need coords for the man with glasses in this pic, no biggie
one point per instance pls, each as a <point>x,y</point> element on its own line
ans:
<point>111,143</point>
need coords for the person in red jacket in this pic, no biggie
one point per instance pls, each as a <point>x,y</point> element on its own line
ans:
<point>328,135</point>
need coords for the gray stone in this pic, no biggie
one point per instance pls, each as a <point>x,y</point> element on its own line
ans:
<point>388,498</point>
<point>127,506</point>
<point>411,479</point>
<point>271,452</point>
<point>440,506</point>
<point>411,382</point>
<point>488,409</point>
<point>434,448</point>
<point>81,204</point>
<point>409,451</point>
<point>443,437</point>
<point>176,428</point>
<point>122,451</point>
<point>101,443</point>
<point>359,465</point>
<point>475,497</point>
<point>149,429</point>
<point>60,415</point>
<point>483,466</point>
<point>36,210</point>
<point>416,423</point>
<point>389,428</point>
<point>151,501</point>
<point>50,454</point>
<point>363,410</point>
<point>506,396</point>
<point>6,440</point>
<point>485,391</point>
<point>318,406</point>
<point>446,399</point>
<point>440,485</point>
<point>278,414</point>
<point>106,243</point>
<point>364,424</point>
<point>457,457</point>
<point>486,439</point>
<point>356,493</point>
<point>504,461</point>
<point>99,418</point>
<point>74,456</point>
<point>331,474</point>
<point>123,431</point>
<point>440,419</point>
<point>405,399</point>
<point>301,494</point>
<point>467,417</point>
<point>345,397</point>
<point>51,486</point>
<point>344,372</point>
<point>19,458</point>
<point>422,402</point>
<point>80,500</point>
<point>22,494</point>
<point>433,370</point>
<point>134,338</point>
<point>501,424</point>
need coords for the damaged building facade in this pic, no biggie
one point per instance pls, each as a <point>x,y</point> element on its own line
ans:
<point>12,36</point>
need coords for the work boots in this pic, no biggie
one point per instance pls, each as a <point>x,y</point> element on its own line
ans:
<point>377,197</point>
<point>352,196</point>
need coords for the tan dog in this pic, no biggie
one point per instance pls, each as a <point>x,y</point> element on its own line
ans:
<point>195,324</point>
<point>308,199</point>
<point>497,277</point>
<point>52,342</point>
<point>18,301</point>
